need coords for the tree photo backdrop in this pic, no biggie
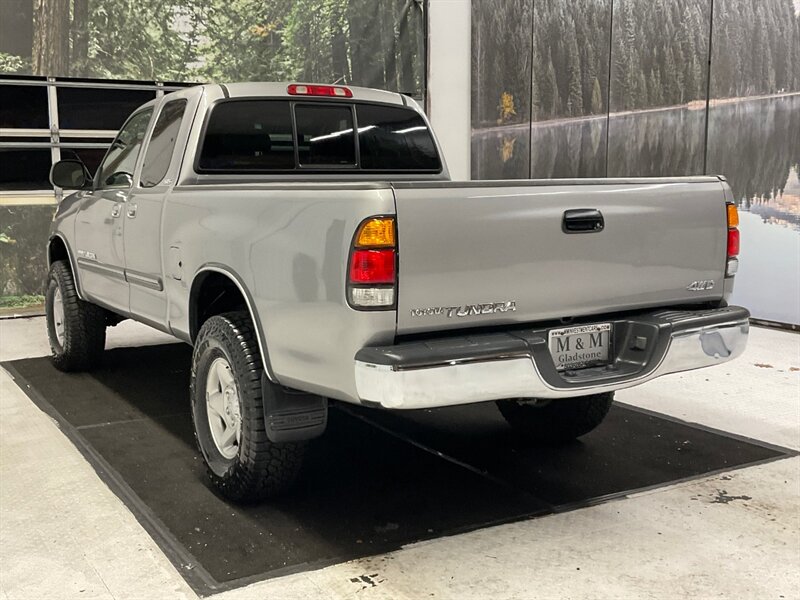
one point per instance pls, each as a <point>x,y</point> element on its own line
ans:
<point>375,43</point>
<point>596,88</point>
<point>378,43</point>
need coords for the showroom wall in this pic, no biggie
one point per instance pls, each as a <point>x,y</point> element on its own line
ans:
<point>72,70</point>
<point>595,88</point>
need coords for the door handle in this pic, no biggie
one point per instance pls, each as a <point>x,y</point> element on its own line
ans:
<point>116,210</point>
<point>583,220</point>
<point>131,212</point>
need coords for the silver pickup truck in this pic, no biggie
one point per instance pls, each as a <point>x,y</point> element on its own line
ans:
<point>307,241</point>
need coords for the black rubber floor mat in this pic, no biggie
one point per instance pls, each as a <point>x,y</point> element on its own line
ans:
<point>631,450</point>
<point>374,482</point>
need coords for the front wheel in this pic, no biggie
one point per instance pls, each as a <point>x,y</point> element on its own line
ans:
<point>228,413</point>
<point>76,328</point>
<point>555,421</point>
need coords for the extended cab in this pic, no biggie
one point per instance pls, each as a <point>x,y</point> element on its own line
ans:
<point>307,241</point>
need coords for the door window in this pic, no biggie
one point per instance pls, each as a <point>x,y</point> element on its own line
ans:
<point>162,143</point>
<point>116,170</point>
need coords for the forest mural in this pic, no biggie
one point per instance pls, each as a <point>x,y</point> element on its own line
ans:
<point>378,43</point>
<point>627,88</point>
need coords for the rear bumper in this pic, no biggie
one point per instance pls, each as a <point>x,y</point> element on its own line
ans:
<point>517,364</point>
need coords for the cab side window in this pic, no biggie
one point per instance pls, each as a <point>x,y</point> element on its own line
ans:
<point>162,143</point>
<point>116,170</point>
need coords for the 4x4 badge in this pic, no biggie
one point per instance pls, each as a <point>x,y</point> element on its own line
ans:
<point>699,286</point>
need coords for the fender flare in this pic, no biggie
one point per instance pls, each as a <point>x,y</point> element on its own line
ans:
<point>71,258</point>
<point>248,298</point>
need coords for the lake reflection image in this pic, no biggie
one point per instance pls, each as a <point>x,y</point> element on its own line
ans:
<point>783,209</point>
<point>753,142</point>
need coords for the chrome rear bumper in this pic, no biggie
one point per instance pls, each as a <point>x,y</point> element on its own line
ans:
<point>517,364</point>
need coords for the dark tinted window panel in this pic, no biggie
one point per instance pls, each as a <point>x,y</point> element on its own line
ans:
<point>181,84</point>
<point>117,168</point>
<point>93,80</point>
<point>91,157</point>
<point>162,143</point>
<point>97,141</point>
<point>325,136</point>
<point>23,106</point>
<point>24,169</point>
<point>32,140</point>
<point>249,135</point>
<point>86,108</point>
<point>395,139</point>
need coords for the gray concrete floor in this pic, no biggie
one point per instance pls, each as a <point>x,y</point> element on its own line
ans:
<point>64,534</point>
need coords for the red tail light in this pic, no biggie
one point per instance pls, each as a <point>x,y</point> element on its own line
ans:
<point>372,266</point>
<point>733,240</point>
<point>733,243</point>
<point>372,273</point>
<point>337,91</point>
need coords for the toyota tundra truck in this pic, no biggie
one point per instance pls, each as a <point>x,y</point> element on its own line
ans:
<point>307,241</point>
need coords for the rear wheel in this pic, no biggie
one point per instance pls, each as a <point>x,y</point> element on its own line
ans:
<point>555,421</point>
<point>76,329</point>
<point>228,413</point>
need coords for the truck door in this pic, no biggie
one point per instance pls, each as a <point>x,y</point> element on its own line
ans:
<point>99,224</point>
<point>142,232</point>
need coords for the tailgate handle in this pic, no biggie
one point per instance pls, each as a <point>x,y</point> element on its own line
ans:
<point>582,220</point>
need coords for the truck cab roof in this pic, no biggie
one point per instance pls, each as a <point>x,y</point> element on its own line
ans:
<point>280,89</point>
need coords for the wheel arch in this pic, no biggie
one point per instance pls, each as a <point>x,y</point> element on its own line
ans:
<point>58,249</point>
<point>223,281</point>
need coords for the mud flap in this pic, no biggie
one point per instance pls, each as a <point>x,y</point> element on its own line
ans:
<point>291,416</point>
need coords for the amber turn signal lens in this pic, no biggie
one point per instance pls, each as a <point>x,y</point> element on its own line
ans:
<point>376,233</point>
<point>733,216</point>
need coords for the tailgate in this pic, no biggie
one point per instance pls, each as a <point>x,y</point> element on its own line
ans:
<point>489,253</point>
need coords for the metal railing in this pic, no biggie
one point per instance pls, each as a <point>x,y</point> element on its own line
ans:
<point>53,137</point>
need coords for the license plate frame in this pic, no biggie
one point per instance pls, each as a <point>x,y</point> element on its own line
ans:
<point>585,346</point>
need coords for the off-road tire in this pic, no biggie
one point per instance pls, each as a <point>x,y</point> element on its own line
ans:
<point>261,469</point>
<point>84,323</point>
<point>558,421</point>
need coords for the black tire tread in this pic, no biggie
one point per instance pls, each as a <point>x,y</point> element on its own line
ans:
<point>559,421</point>
<point>85,324</point>
<point>263,469</point>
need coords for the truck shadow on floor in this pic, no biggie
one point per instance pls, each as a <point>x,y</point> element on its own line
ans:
<point>376,480</point>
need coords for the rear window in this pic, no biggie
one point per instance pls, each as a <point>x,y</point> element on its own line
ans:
<point>325,135</point>
<point>264,136</point>
<point>391,138</point>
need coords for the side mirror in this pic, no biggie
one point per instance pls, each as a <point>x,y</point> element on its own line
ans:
<point>70,174</point>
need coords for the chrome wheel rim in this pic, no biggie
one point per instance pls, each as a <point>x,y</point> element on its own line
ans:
<point>222,408</point>
<point>58,317</point>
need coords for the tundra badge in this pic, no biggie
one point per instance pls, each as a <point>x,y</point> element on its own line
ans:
<point>466,310</point>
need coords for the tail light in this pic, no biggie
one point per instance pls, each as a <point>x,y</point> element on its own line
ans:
<point>372,266</point>
<point>372,269</point>
<point>733,240</point>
